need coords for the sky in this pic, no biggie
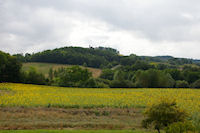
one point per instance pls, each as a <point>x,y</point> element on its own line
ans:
<point>142,27</point>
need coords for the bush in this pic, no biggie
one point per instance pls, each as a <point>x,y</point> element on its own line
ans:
<point>182,84</point>
<point>102,83</point>
<point>163,114</point>
<point>33,77</point>
<point>196,121</point>
<point>180,127</point>
<point>93,83</point>
<point>121,84</point>
<point>90,83</point>
<point>196,84</point>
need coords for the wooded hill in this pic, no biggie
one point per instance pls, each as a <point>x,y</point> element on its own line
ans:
<point>118,71</point>
<point>100,57</point>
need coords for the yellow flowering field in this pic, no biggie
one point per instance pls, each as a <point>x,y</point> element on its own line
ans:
<point>12,95</point>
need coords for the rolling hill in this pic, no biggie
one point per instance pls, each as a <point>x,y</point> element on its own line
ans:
<point>100,57</point>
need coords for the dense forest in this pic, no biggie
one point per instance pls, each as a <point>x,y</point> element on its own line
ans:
<point>118,71</point>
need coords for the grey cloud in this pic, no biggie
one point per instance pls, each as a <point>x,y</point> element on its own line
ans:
<point>44,23</point>
<point>157,20</point>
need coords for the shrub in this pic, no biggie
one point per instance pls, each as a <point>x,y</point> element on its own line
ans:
<point>102,83</point>
<point>182,84</point>
<point>121,84</point>
<point>196,84</point>
<point>196,121</point>
<point>90,83</point>
<point>163,114</point>
<point>180,127</point>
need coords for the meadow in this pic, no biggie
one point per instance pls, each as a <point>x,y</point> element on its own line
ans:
<point>44,68</point>
<point>24,95</point>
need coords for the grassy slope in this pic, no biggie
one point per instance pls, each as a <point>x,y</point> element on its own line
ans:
<point>70,131</point>
<point>44,68</point>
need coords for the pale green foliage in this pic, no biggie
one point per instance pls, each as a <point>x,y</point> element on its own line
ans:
<point>163,114</point>
<point>180,127</point>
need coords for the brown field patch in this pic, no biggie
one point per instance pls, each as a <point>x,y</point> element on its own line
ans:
<point>58,118</point>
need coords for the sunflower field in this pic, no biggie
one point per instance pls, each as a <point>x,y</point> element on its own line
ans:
<point>25,95</point>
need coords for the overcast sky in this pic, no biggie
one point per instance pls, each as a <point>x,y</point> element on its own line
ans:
<point>142,27</point>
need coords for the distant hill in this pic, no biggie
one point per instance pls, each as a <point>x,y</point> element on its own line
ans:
<point>92,57</point>
<point>100,57</point>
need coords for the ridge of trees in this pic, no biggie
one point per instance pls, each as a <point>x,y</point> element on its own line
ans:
<point>117,71</point>
<point>99,57</point>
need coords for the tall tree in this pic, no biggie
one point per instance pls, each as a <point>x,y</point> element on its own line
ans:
<point>9,68</point>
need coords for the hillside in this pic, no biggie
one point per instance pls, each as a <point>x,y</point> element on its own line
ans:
<point>91,57</point>
<point>44,68</point>
<point>100,57</point>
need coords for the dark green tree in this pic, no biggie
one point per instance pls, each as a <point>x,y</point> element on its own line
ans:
<point>73,76</point>
<point>196,84</point>
<point>33,77</point>
<point>182,84</point>
<point>107,74</point>
<point>9,68</point>
<point>153,79</point>
<point>51,74</point>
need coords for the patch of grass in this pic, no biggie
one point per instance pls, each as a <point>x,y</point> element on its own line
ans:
<point>70,131</point>
<point>44,68</point>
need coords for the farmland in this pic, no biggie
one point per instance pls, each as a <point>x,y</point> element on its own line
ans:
<point>25,106</point>
<point>43,96</point>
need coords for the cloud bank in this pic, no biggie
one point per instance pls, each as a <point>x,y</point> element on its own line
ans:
<point>142,27</point>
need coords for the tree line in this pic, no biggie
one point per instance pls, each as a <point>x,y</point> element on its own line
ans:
<point>100,57</point>
<point>131,72</point>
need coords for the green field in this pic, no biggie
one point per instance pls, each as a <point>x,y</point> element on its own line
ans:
<point>44,68</point>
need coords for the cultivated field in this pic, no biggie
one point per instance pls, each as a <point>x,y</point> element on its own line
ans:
<point>24,106</point>
<point>13,95</point>
<point>44,68</point>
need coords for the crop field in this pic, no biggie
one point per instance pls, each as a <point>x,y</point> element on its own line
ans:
<point>33,107</point>
<point>21,95</point>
